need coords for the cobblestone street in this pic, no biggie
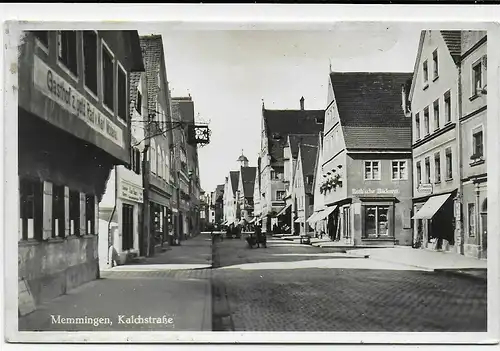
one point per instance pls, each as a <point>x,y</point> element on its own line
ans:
<point>357,294</point>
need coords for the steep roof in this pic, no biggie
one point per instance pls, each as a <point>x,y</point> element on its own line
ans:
<point>370,109</point>
<point>248,178</point>
<point>296,139</point>
<point>308,158</point>
<point>280,123</point>
<point>152,51</point>
<point>219,192</point>
<point>134,78</point>
<point>235,179</point>
<point>453,40</point>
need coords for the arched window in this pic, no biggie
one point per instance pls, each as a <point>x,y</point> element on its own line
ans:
<point>153,156</point>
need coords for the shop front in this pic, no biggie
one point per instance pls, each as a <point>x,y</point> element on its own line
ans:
<point>434,221</point>
<point>130,198</point>
<point>160,217</point>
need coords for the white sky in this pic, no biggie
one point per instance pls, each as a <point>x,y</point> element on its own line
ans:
<point>228,73</point>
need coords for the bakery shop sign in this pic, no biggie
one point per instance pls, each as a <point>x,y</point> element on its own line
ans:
<point>371,192</point>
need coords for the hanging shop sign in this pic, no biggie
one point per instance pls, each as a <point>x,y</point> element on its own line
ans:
<point>65,95</point>
<point>131,192</point>
<point>378,191</point>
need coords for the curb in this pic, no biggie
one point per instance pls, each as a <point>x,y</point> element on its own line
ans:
<point>461,274</point>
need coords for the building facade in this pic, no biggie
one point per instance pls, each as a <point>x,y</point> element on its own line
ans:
<point>74,127</point>
<point>218,205</point>
<point>473,127</point>
<point>435,123</point>
<point>275,128</point>
<point>230,198</point>
<point>366,180</point>
<point>246,187</point>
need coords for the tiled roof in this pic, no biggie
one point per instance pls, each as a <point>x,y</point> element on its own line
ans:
<point>308,158</point>
<point>235,179</point>
<point>296,139</point>
<point>152,52</point>
<point>248,177</point>
<point>281,123</point>
<point>370,109</point>
<point>134,78</point>
<point>453,40</point>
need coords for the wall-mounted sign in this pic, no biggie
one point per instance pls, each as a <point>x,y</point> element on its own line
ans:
<point>131,192</point>
<point>378,191</point>
<point>424,189</point>
<point>58,90</point>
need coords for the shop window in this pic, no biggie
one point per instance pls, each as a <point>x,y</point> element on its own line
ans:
<point>31,209</point>
<point>42,36</point>
<point>399,170</point>
<point>108,86</point>
<point>138,103</point>
<point>449,164</point>
<point>437,168</point>
<point>90,60</point>
<point>122,93</point>
<point>280,195</point>
<point>74,213</point>
<point>372,170</point>
<point>425,72</point>
<point>127,227</point>
<point>477,140</point>
<point>427,179</point>
<point>90,214</point>
<point>419,173</point>
<point>436,114</point>
<point>58,211</point>
<point>426,121</point>
<point>67,50</point>
<point>436,64</point>
<point>478,76</point>
<point>447,106</point>
<point>471,210</point>
<point>376,221</point>
<point>417,126</point>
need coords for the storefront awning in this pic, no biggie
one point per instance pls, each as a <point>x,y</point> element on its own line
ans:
<point>313,217</point>
<point>325,213</point>
<point>224,223</point>
<point>252,220</point>
<point>299,220</point>
<point>431,206</point>
<point>283,210</point>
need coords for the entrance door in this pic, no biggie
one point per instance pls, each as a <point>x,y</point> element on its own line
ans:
<point>127,227</point>
<point>347,222</point>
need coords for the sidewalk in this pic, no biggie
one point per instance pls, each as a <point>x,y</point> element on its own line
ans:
<point>145,296</point>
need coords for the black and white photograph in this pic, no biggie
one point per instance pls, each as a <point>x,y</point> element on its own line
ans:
<point>165,180</point>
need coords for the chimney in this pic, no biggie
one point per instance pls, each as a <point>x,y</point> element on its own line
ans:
<point>302,103</point>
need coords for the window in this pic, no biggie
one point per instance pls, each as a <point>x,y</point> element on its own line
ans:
<point>127,227</point>
<point>471,210</point>
<point>435,62</point>
<point>108,88</point>
<point>417,126</point>
<point>122,93</point>
<point>376,221</point>
<point>372,170</point>
<point>137,168</point>
<point>427,170</point>
<point>42,36</point>
<point>477,78</point>
<point>425,72</point>
<point>447,107</point>
<point>419,173</point>
<point>74,213</point>
<point>436,114</point>
<point>399,170</point>
<point>153,159</point>
<point>90,214</point>
<point>31,209</point>
<point>58,212</point>
<point>280,195</point>
<point>437,168</point>
<point>449,164</point>
<point>138,103</point>
<point>426,121</point>
<point>477,139</point>
<point>67,50</point>
<point>90,60</point>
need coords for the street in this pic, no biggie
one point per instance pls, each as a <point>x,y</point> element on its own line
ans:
<point>226,286</point>
<point>358,294</point>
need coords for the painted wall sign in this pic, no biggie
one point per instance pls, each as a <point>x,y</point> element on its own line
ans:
<point>424,189</point>
<point>58,90</point>
<point>131,192</point>
<point>378,191</point>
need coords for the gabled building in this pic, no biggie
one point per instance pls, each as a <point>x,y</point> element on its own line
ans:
<point>230,198</point>
<point>277,125</point>
<point>473,133</point>
<point>435,111</point>
<point>73,129</point>
<point>246,185</point>
<point>302,186</point>
<point>366,180</point>
<point>317,218</point>
<point>257,209</point>
<point>218,203</point>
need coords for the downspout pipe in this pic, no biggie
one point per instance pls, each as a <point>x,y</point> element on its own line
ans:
<point>110,259</point>
<point>459,222</point>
